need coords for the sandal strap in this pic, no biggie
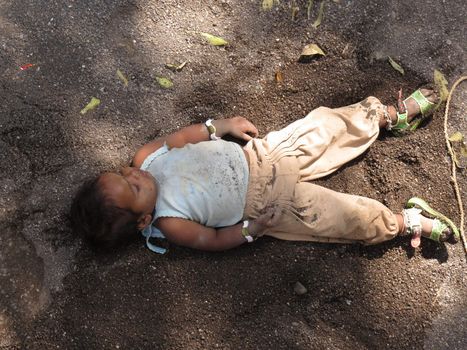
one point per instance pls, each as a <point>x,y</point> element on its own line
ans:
<point>400,103</point>
<point>402,123</point>
<point>437,230</point>
<point>425,105</point>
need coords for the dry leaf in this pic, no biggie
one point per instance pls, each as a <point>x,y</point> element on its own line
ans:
<point>312,49</point>
<point>441,84</point>
<point>309,52</point>
<point>278,76</point>
<point>122,77</point>
<point>295,10</point>
<point>214,40</point>
<point>91,105</point>
<point>267,4</point>
<point>459,149</point>
<point>319,19</point>
<point>456,137</point>
<point>164,82</point>
<point>175,67</point>
<point>396,66</point>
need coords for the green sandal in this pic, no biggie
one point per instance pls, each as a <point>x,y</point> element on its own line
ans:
<point>402,125</point>
<point>440,222</point>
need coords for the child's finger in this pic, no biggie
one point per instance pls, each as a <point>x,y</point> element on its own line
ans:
<point>246,137</point>
<point>252,130</point>
<point>273,215</point>
<point>415,241</point>
<point>248,127</point>
<point>266,217</point>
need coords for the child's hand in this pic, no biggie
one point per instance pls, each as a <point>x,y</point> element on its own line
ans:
<point>238,127</point>
<point>269,218</point>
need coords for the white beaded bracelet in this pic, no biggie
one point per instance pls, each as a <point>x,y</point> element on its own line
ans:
<point>246,233</point>
<point>211,130</point>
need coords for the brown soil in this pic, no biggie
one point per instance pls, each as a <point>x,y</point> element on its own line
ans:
<point>56,293</point>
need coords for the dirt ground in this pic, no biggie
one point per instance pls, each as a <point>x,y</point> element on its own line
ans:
<point>57,294</point>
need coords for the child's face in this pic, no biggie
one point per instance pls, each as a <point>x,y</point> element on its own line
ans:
<point>134,189</point>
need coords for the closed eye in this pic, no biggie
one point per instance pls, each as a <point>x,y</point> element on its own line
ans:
<point>134,188</point>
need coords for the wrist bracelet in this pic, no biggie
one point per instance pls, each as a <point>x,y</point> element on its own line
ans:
<point>211,130</point>
<point>246,233</point>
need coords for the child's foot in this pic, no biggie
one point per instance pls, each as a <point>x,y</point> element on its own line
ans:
<point>413,106</point>
<point>417,225</point>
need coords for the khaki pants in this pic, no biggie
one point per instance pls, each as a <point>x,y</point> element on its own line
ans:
<point>284,162</point>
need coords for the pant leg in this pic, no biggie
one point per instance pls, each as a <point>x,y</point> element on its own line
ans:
<point>326,138</point>
<point>321,215</point>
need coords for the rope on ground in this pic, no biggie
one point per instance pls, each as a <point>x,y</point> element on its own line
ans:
<point>453,163</point>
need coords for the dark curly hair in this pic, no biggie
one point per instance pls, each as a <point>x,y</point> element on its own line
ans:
<point>98,219</point>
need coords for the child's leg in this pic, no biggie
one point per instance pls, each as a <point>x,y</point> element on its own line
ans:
<point>322,215</point>
<point>326,138</point>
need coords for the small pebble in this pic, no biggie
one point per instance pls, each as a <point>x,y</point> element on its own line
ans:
<point>299,289</point>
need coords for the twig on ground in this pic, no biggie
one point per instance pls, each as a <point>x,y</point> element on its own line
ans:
<point>453,164</point>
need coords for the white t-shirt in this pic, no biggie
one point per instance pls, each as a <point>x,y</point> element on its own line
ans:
<point>206,182</point>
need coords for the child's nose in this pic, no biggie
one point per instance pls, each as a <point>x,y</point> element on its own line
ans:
<point>131,173</point>
<point>125,171</point>
<point>128,171</point>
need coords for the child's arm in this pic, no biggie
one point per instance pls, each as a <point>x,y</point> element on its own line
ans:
<point>237,126</point>
<point>193,235</point>
<point>190,234</point>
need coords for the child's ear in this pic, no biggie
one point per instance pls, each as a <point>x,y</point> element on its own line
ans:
<point>144,220</point>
